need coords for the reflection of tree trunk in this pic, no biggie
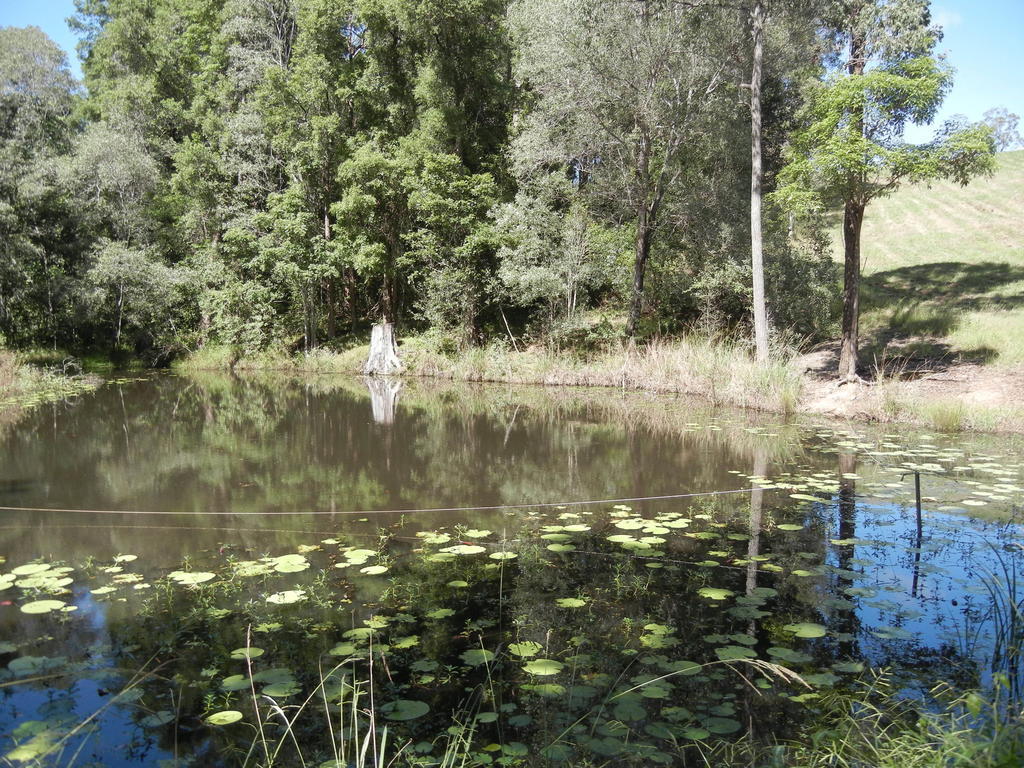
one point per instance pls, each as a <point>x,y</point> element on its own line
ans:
<point>920,532</point>
<point>756,514</point>
<point>760,469</point>
<point>847,621</point>
<point>383,398</point>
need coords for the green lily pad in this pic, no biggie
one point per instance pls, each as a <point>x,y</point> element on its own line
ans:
<point>806,629</point>
<point>543,667</point>
<point>235,683</point>
<point>163,717</point>
<point>570,602</point>
<point>405,709</point>
<point>476,656</point>
<point>343,649</point>
<point>247,653</point>
<point>721,725</point>
<point>287,597</point>
<point>30,568</point>
<point>281,690</point>
<point>734,653</point>
<point>43,606</point>
<point>465,549</point>
<point>191,578</point>
<point>225,717</point>
<point>713,593</point>
<point>526,648</point>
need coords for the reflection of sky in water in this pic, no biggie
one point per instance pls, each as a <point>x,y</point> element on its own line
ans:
<point>115,739</point>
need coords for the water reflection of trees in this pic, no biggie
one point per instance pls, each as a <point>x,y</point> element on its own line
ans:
<point>216,444</point>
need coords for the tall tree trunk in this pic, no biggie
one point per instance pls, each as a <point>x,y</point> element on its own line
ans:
<point>756,175</point>
<point>120,314</point>
<point>853,218</point>
<point>644,223</point>
<point>643,249</point>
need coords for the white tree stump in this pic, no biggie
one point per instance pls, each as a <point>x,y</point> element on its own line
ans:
<point>383,359</point>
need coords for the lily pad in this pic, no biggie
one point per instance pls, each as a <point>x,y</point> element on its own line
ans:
<point>405,709</point>
<point>543,667</point>
<point>474,657</point>
<point>526,648</point>
<point>191,578</point>
<point>224,717</point>
<point>570,602</point>
<point>247,653</point>
<point>806,629</point>
<point>465,549</point>
<point>43,606</point>
<point>713,593</point>
<point>287,597</point>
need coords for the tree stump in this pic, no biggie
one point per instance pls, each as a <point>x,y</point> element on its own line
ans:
<point>383,359</point>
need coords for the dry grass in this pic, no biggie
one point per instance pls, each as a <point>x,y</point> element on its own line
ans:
<point>721,372</point>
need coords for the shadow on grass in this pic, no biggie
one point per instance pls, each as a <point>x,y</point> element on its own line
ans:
<point>923,304</point>
<point>916,309</point>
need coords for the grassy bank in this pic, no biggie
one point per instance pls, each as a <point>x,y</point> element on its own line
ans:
<point>720,372</point>
<point>23,385</point>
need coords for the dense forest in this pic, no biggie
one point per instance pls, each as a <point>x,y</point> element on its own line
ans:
<point>282,173</point>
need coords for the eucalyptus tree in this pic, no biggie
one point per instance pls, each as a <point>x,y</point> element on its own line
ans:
<point>619,90</point>
<point>1004,124</point>
<point>849,150</point>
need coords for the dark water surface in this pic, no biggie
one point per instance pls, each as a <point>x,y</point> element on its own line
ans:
<point>198,516</point>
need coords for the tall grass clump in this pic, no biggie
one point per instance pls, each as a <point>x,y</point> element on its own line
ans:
<point>872,728</point>
<point>720,371</point>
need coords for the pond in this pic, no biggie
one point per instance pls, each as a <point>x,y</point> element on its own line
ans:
<point>220,571</point>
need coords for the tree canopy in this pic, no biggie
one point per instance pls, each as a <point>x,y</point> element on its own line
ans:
<point>282,173</point>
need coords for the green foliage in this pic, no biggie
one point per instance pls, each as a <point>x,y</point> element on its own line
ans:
<point>280,174</point>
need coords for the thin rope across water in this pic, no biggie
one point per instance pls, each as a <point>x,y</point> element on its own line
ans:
<point>409,511</point>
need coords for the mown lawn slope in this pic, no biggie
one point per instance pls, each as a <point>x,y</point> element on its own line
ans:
<point>944,271</point>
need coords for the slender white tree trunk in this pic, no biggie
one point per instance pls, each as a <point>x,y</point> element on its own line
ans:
<point>756,174</point>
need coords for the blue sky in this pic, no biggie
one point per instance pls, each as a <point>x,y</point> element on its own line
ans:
<point>983,41</point>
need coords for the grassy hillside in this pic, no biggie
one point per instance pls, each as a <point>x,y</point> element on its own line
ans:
<point>944,271</point>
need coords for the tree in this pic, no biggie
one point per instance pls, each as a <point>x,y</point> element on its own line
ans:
<point>618,88</point>
<point>39,230</point>
<point>757,17</point>
<point>850,150</point>
<point>1004,128</point>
